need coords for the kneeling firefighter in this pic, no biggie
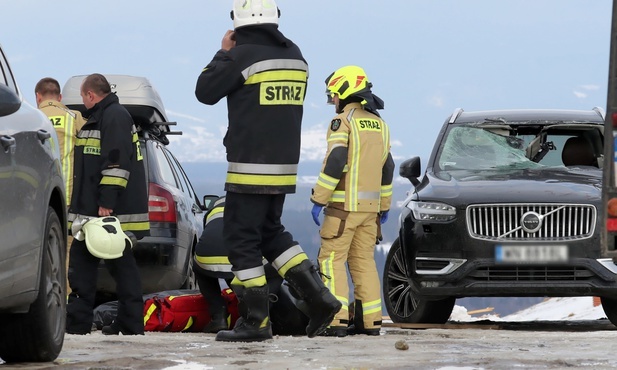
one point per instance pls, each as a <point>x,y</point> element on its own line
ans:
<point>211,263</point>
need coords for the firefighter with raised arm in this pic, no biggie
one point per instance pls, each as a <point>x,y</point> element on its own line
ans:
<point>263,75</point>
<point>355,187</point>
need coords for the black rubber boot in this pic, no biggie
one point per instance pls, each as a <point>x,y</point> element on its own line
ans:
<point>358,322</point>
<point>254,322</point>
<point>218,320</point>
<point>322,306</point>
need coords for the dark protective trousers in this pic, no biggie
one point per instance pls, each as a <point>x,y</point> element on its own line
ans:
<point>252,229</point>
<point>83,273</point>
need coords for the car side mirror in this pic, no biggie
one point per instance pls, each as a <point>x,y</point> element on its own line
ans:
<point>410,169</point>
<point>209,201</point>
<point>9,101</point>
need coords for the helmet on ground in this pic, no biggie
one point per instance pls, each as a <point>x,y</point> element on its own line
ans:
<point>252,12</point>
<point>347,81</point>
<point>105,238</point>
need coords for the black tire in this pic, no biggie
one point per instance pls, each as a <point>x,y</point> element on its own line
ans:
<point>402,304</point>
<point>38,335</point>
<point>609,305</point>
<point>191,282</point>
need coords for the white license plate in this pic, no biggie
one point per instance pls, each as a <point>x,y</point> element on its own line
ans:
<point>531,253</point>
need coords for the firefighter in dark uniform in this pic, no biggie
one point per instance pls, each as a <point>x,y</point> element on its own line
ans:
<point>109,180</point>
<point>211,263</point>
<point>355,186</point>
<point>263,75</point>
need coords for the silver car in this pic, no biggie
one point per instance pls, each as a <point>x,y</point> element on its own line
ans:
<point>32,230</point>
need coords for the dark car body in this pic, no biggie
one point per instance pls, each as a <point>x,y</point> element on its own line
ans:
<point>498,213</point>
<point>176,214</point>
<point>32,230</point>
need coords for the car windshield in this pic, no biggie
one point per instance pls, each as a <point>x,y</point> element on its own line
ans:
<point>508,147</point>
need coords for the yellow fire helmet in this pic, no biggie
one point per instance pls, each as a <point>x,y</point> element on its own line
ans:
<point>105,238</point>
<point>252,12</point>
<point>347,81</point>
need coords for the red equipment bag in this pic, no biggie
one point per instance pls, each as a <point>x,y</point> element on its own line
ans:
<point>183,313</point>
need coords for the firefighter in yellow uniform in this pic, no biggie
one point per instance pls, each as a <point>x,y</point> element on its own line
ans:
<point>67,123</point>
<point>355,187</point>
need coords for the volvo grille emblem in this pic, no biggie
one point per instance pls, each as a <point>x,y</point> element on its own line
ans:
<point>531,222</point>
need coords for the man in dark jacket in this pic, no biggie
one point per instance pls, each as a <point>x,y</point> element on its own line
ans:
<point>263,75</point>
<point>109,180</point>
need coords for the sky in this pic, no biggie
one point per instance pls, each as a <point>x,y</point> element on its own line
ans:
<point>425,58</point>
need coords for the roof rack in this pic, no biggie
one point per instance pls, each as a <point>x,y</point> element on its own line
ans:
<point>137,95</point>
<point>157,130</point>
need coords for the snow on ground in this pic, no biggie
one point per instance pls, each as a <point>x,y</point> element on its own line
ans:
<point>559,308</point>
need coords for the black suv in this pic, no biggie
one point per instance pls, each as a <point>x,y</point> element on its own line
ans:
<point>508,206</point>
<point>176,213</point>
<point>32,230</point>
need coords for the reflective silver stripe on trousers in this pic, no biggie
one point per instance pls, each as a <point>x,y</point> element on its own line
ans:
<point>286,256</point>
<point>249,274</point>
<point>215,268</point>
<point>274,64</point>
<point>263,169</point>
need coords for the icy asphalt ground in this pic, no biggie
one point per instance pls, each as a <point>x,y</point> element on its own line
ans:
<point>561,333</point>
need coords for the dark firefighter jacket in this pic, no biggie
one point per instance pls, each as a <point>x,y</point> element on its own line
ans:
<point>109,168</point>
<point>264,78</point>
<point>211,254</point>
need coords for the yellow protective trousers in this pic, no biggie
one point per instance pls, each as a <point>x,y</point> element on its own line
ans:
<point>349,237</point>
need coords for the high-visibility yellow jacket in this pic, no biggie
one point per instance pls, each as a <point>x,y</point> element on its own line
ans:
<point>357,171</point>
<point>67,123</point>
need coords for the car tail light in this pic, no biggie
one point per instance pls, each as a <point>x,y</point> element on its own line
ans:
<point>614,118</point>
<point>161,205</point>
<point>611,224</point>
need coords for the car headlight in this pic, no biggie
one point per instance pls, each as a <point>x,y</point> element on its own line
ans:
<point>432,211</point>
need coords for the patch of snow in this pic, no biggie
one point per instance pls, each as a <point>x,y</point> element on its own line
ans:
<point>556,308</point>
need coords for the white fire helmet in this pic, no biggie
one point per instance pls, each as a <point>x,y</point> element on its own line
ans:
<point>251,12</point>
<point>105,238</point>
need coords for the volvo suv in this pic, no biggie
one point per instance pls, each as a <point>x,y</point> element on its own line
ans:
<point>176,212</point>
<point>507,206</point>
<point>32,230</point>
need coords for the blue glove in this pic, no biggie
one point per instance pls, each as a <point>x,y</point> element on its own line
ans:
<point>315,212</point>
<point>383,217</point>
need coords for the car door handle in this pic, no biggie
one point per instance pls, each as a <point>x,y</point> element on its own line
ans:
<point>43,135</point>
<point>7,142</point>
